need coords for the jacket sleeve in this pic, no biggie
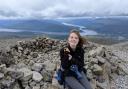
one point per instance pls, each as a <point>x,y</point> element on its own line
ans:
<point>65,63</point>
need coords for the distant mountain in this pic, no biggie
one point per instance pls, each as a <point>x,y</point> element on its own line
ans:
<point>104,26</point>
<point>35,25</point>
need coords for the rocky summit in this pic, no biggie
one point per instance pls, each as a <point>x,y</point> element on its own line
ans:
<point>31,65</point>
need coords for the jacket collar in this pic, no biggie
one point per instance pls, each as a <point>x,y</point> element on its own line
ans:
<point>71,50</point>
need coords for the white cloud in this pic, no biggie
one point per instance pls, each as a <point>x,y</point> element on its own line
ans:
<point>61,8</point>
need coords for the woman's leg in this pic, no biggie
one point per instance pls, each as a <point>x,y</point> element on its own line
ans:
<point>84,81</point>
<point>73,83</point>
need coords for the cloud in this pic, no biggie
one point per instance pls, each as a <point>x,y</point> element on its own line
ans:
<point>61,8</point>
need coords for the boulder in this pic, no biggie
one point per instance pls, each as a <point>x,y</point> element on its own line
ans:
<point>37,76</point>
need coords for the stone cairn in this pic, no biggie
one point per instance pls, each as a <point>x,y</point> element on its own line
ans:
<point>32,64</point>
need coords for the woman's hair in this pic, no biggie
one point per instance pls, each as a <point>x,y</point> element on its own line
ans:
<point>81,39</point>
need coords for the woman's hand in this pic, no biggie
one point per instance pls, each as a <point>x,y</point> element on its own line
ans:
<point>70,57</point>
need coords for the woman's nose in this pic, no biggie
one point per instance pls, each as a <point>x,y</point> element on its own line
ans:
<point>73,39</point>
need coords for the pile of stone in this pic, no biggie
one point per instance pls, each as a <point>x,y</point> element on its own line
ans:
<point>31,65</point>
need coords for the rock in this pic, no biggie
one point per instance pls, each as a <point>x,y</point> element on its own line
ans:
<point>8,83</point>
<point>101,60</point>
<point>27,74</point>
<point>121,82</point>
<point>24,83</point>
<point>20,49</point>
<point>55,87</point>
<point>6,58</point>
<point>31,63</point>
<point>49,66</point>
<point>27,87</point>
<point>96,51</point>
<point>1,75</point>
<point>16,86</point>
<point>21,65</point>
<point>36,87</point>
<point>8,48</point>
<point>89,74</point>
<point>14,73</point>
<point>45,86</point>
<point>97,69</point>
<point>19,42</point>
<point>107,55</point>
<point>123,68</point>
<point>35,62</point>
<point>37,76</point>
<point>32,83</point>
<point>47,76</point>
<point>37,67</point>
<point>3,68</point>
<point>26,51</point>
<point>102,85</point>
<point>93,60</point>
<point>93,83</point>
<point>34,54</point>
<point>113,60</point>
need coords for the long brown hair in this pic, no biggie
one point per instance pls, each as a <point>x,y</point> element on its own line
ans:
<point>81,39</point>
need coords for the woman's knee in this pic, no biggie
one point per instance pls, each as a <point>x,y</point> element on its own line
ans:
<point>73,83</point>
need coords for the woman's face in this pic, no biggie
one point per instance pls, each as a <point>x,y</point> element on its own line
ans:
<point>73,40</point>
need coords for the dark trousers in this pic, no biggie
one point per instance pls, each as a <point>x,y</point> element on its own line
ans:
<point>74,83</point>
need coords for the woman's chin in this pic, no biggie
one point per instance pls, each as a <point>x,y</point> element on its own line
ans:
<point>73,46</point>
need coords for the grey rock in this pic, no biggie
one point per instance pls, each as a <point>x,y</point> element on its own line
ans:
<point>49,66</point>
<point>27,87</point>
<point>8,83</point>
<point>16,86</point>
<point>37,67</point>
<point>37,76</point>
<point>123,68</point>
<point>21,65</point>
<point>1,75</point>
<point>36,87</point>
<point>14,73</point>
<point>27,74</point>
<point>89,74</point>
<point>33,83</point>
<point>47,76</point>
<point>93,60</point>
<point>97,69</point>
<point>102,85</point>
<point>26,51</point>
<point>20,49</point>
<point>3,68</point>
<point>101,59</point>
<point>34,54</point>
<point>96,51</point>
<point>24,83</point>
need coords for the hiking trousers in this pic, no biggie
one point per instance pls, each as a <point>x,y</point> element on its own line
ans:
<point>74,83</point>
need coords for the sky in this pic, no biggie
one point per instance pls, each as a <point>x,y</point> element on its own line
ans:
<point>61,8</point>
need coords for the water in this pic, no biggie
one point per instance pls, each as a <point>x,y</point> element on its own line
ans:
<point>109,27</point>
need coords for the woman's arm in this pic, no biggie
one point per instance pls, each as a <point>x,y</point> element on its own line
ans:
<point>64,57</point>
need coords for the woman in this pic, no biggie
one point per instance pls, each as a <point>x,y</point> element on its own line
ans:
<point>72,62</point>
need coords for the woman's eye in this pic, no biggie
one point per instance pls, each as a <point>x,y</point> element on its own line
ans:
<point>71,37</point>
<point>76,38</point>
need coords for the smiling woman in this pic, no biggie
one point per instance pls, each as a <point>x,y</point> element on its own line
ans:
<point>72,62</point>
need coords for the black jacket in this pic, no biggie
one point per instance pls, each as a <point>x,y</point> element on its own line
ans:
<point>77,58</point>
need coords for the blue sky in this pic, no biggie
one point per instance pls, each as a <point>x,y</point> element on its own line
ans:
<point>61,8</point>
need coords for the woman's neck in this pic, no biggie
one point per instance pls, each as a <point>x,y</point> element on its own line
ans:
<point>73,47</point>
